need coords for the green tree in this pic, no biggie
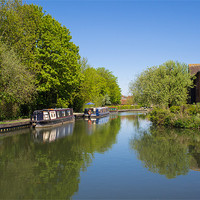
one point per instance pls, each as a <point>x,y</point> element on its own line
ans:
<point>165,85</point>
<point>92,86</point>
<point>112,88</point>
<point>99,86</point>
<point>45,46</point>
<point>20,28</point>
<point>16,83</point>
<point>58,72</point>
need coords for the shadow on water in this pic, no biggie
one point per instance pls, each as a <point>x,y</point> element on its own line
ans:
<point>46,164</point>
<point>169,152</point>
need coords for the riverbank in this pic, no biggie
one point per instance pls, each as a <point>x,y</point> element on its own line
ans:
<point>185,116</point>
<point>14,124</point>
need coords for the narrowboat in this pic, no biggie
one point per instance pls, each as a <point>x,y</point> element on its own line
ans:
<point>96,112</point>
<point>50,117</point>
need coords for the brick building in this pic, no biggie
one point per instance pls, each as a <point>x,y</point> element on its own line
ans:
<point>195,92</point>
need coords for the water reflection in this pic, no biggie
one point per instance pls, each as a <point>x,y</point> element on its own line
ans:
<point>51,134</point>
<point>102,120</point>
<point>169,152</point>
<point>32,167</point>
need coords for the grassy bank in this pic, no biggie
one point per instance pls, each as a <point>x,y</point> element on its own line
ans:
<point>185,116</point>
<point>14,121</point>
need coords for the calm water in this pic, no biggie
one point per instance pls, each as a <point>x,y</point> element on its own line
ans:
<point>120,157</point>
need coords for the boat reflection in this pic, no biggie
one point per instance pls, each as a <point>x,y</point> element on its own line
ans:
<point>114,115</point>
<point>51,134</point>
<point>102,120</point>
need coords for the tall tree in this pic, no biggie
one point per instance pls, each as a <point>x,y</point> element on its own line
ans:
<point>16,83</point>
<point>99,85</point>
<point>92,86</point>
<point>45,46</point>
<point>58,71</point>
<point>165,85</point>
<point>20,28</point>
<point>113,90</point>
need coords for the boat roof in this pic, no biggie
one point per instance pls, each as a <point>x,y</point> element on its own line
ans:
<point>53,109</point>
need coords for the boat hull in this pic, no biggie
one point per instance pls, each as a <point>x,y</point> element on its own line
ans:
<point>50,123</point>
<point>96,116</point>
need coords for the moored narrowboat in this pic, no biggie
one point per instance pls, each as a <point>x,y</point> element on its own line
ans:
<point>50,117</point>
<point>96,112</point>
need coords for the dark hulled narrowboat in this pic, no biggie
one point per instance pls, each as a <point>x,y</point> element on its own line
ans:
<point>50,117</point>
<point>96,112</point>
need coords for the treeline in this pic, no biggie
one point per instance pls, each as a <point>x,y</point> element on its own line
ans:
<point>40,67</point>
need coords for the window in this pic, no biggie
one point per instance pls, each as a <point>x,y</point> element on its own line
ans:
<point>63,113</point>
<point>45,115</point>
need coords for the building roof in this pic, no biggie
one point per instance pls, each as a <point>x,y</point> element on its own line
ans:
<point>194,68</point>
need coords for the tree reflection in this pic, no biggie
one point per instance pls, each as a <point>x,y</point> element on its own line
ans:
<point>37,170</point>
<point>168,152</point>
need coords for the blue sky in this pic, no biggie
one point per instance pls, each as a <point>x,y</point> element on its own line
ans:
<point>127,36</point>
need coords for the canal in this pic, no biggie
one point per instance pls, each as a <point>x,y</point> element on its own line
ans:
<point>122,156</point>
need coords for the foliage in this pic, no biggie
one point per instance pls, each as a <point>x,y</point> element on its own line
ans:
<point>58,71</point>
<point>99,85</point>
<point>20,28</point>
<point>113,90</point>
<point>45,46</point>
<point>166,85</point>
<point>185,116</point>
<point>16,83</point>
<point>106,100</point>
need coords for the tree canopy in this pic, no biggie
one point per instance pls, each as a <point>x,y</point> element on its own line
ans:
<point>99,85</point>
<point>167,85</point>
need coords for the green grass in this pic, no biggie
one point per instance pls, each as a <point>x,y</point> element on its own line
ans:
<point>13,121</point>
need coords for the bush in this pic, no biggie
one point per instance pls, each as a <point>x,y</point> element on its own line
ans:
<point>175,109</point>
<point>160,116</point>
<point>186,116</point>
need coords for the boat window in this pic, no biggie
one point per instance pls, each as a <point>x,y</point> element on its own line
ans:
<point>52,114</point>
<point>45,115</point>
<point>68,112</point>
<point>63,113</point>
<point>58,113</point>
